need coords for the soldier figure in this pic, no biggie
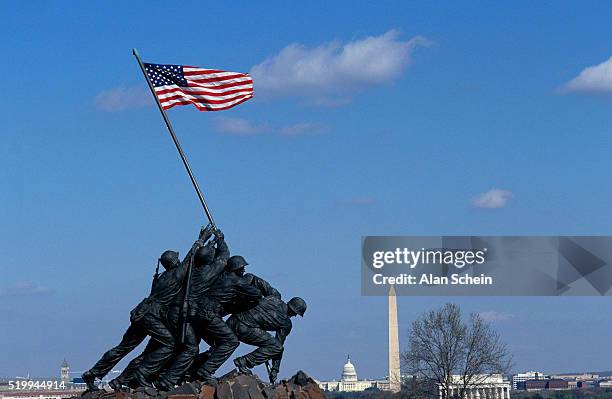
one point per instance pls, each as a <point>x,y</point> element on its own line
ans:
<point>236,265</point>
<point>148,319</point>
<point>228,294</point>
<point>252,326</point>
<point>236,292</point>
<point>209,264</point>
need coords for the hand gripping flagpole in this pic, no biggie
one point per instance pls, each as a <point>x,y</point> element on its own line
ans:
<point>176,142</point>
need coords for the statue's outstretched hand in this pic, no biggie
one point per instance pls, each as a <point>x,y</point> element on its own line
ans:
<point>206,232</point>
<point>219,234</point>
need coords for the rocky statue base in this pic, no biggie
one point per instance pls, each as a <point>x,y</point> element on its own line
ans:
<point>231,386</point>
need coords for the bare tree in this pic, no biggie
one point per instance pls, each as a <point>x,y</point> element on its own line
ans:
<point>442,345</point>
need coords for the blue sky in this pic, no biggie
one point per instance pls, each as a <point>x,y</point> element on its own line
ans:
<point>368,119</point>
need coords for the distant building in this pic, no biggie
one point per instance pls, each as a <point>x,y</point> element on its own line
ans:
<point>491,386</point>
<point>550,384</point>
<point>534,385</point>
<point>65,372</point>
<point>554,384</point>
<point>350,383</point>
<point>519,379</point>
<point>588,384</point>
<point>577,377</point>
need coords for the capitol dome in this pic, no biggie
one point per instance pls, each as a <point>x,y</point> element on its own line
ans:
<point>348,372</point>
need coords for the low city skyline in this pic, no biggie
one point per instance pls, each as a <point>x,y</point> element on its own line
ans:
<point>528,373</point>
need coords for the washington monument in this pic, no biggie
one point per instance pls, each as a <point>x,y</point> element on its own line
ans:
<point>394,355</point>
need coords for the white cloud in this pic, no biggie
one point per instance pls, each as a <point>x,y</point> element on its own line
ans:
<point>121,98</point>
<point>23,288</point>
<point>238,126</point>
<point>358,201</point>
<point>493,316</point>
<point>595,79</point>
<point>330,102</point>
<point>335,68</point>
<point>492,199</point>
<point>245,127</point>
<point>304,129</point>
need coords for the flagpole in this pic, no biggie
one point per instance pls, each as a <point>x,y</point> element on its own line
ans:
<point>175,139</point>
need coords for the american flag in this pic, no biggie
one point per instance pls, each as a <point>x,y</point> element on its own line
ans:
<point>206,89</point>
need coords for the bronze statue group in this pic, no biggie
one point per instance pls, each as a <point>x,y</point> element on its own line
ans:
<point>189,302</point>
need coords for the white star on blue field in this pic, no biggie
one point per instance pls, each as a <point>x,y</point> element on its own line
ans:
<point>397,118</point>
<point>162,75</point>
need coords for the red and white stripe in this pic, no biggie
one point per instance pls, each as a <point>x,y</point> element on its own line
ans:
<point>209,89</point>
